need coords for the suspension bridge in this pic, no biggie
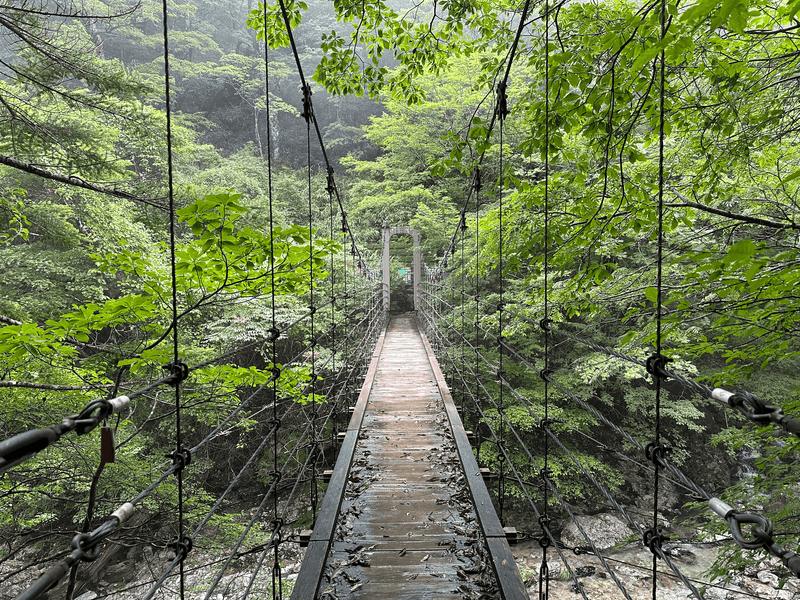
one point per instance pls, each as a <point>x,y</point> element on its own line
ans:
<point>406,512</point>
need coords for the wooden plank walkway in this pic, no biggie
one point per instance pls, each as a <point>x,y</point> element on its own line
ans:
<point>406,524</point>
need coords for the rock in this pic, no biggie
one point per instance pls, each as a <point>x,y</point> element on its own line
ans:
<point>605,530</point>
<point>768,578</point>
<point>292,577</point>
<point>87,596</point>
<point>682,553</point>
<point>123,571</point>
<point>624,572</point>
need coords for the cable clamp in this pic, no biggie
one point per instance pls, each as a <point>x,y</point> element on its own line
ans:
<point>762,530</point>
<point>545,374</point>
<point>501,110</point>
<point>307,113</point>
<point>181,546</point>
<point>276,372</point>
<point>476,182</point>
<point>91,416</point>
<point>86,549</point>
<point>656,365</point>
<point>546,473</point>
<point>545,324</point>
<point>653,540</point>
<point>550,421</point>
<point>544,539</point>
<point>331,186</point>
<point>657,453</point>
<point>277,532</point>
<point>274,334</point>
<point>578,550</point>
<point>312,309</point>
<point>181,457</point>
<point>178,371</point>
<point>276,475</point>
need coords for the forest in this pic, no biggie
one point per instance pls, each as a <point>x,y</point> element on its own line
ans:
<point>634,181</point>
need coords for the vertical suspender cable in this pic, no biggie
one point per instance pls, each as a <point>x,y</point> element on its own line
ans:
<point>277,582</point>
<point>463,227</point>
<point>332,262</point>
<point>656,450</point>
<point>477,184</point>
<point>180,455</point>
<point>308,115</point>
<point>544,520</point>
<point>502,112</point>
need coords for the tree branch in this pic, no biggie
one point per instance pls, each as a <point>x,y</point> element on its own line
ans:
<point>686,203</point>
<point>47,386</point>
<point>76,181</point>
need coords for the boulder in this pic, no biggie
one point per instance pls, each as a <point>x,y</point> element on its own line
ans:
<point>768,578</point>
<point>605,530</point>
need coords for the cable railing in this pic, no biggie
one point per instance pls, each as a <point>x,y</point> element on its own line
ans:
<point>453,344</point>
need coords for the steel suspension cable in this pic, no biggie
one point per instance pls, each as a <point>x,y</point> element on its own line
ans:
<point>180,456</point>
<point>502,113</point>
<point>277,583</point>
<point>653,537</point>
<point>328,167</point>
<point>544,581</point>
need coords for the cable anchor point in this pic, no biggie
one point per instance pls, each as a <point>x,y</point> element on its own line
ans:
<point>178,372</point>
<point>181,546</point>
<point>653,538</point>
<point>656,366</point>
<point>181,457</point>
<point>657,453</point>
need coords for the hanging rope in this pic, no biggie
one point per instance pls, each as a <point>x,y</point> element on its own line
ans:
<point>477,187</point>
<point>308,115</point>
<point>277,582</point>
<point>544,581</point>
<point>181,456</point>
<point>655,451</point>
<point>502,112</point>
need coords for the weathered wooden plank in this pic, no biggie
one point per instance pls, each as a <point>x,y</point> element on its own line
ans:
<point>307,582</point>
<point>511,585</point>
<point>483,501</point>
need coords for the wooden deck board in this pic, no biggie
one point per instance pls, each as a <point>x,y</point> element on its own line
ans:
<point>404,530</point>
<point>407,526</point>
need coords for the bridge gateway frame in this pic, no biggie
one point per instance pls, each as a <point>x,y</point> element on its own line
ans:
<point>388,232</point>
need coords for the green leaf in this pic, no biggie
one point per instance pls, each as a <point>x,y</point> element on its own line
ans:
<point>794,175</point>
<point>741,250</point>
<point>651,294</point>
